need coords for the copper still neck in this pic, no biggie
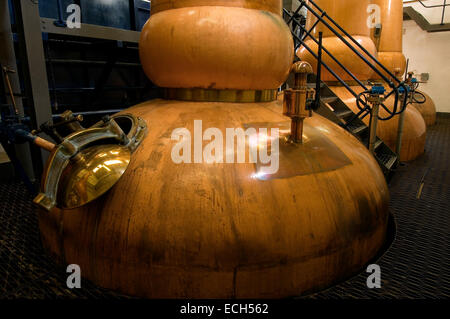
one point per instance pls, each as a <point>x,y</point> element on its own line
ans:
<point>295,100</point>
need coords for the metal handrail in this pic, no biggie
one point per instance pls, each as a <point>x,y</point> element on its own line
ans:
<point>321,16</point>
<point>433,6</point>
<point>324,14</point>
<point>443,6</point>
<point>332,72</point>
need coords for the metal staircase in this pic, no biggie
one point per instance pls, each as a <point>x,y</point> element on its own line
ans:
<point>331,106</point>
<point>334,109</point>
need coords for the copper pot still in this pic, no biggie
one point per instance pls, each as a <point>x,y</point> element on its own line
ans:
<point>426,107</point>
<point>221,229</point>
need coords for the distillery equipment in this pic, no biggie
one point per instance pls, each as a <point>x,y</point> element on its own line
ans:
<point>388,39</point>
<point>421,101</point>
<point>387,34</point>
<point>382,40</point>
<point>176,224</point>
<point>425,105</point>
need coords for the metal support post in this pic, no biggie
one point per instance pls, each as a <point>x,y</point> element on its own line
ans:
<point>28,24</point>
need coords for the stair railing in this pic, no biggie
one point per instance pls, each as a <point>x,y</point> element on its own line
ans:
<point>322,17</point>
<point>443,6</point>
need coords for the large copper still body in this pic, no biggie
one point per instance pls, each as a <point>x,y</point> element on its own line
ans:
<point>355,17</point>
<point>222,230</point>
<point>426,107</point>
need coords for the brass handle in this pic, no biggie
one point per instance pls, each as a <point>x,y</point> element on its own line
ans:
<point>46,145</point>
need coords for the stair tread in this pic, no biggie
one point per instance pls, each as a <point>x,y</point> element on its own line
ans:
<point>356,128</point>
<point>390,162</point>
<point>378,143</point>
<point>344,113</point>
<point>313,85</point>
<point>387,159</point>
<point>329,99</point>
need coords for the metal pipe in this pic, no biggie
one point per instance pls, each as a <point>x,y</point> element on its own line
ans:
<point>297,130</point>
<point>44,144</point>
<point>8,58</point>
<point>373,127</point>
<point>60,22</point>
<point>36,140</point>
<point>28,25</point>
<point>319,72</point>
<point>401,124</point>
<point>10,90</point>
<point>295,100</point>
<point>88,113</point>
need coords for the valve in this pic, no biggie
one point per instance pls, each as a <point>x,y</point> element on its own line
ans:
<point>68,121</point>
<point>297,101</point>
<point>6,71</point>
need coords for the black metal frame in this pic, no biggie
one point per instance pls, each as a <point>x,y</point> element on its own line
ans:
<point>325,19</point>
<point>443,6</point>
<point>131,3</point>
<point>35,69</point>
<point>133,88</point>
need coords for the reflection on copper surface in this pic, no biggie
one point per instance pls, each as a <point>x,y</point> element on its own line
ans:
<point>98,170</point>
<point>317,153</point>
